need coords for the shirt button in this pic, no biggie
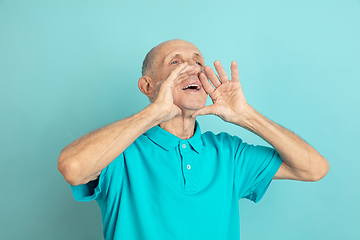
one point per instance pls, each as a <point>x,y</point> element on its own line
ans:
<point>184,145</point>
<point>188,167</point>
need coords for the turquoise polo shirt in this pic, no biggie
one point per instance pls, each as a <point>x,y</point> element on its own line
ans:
<point>163,187</point>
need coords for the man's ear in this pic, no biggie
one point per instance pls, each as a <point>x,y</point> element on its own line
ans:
<point>146,86</point>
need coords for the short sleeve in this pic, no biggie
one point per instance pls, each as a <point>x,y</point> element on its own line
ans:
<point>255,167</point>
<point>98,189</point>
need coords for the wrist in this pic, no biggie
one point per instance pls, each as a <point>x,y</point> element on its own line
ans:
<point>155,113</point>
<point>247,119</point>
<point>256,123</point>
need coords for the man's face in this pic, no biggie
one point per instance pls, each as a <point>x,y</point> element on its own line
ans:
<point>188,93</point>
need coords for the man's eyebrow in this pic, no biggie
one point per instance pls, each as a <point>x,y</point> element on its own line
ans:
<point>198,54</point>
<point>170,57</point>
<point>177,55</point>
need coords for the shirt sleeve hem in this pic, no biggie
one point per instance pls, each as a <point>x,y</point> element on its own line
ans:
<point>87,192</point>
<point>261,188</point>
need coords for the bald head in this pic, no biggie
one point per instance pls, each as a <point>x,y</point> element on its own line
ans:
<point>153,55</point>
<point>148,62</point>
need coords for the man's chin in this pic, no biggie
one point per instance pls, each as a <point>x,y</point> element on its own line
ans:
<point>190,105</point>
<point>189,110</point>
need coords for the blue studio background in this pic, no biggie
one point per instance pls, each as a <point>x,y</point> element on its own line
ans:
<point>70,67</point>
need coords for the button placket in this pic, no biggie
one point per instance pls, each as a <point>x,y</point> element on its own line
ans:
<point>188,170</point>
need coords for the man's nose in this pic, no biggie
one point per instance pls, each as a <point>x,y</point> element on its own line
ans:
<point>197,67</point>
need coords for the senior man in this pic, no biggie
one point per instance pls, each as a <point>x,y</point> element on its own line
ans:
<point>156,176</point>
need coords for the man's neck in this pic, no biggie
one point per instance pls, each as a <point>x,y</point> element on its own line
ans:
<point>180,126</point>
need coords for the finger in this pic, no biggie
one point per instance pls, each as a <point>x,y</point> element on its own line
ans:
<point>234,71</point>
<point>212,76</point>
<point>203,111</point>
<point>206,84</point>
<point>176,72</point>
<point>161,86</point>
<point>220,70</point>
<point>189,70</point>
<point>178,110</point>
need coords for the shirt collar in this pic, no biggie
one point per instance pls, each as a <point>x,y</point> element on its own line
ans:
<point>169,141</point>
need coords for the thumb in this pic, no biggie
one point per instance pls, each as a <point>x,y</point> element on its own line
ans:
<point>175,111</point>
<point>178,110</point>
<point>203,111</point>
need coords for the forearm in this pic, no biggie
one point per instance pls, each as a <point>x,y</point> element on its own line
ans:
<point>300,158</point>
<point>83,159</point>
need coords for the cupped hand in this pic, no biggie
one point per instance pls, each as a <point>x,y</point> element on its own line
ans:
<point>228,99</point>
<point>163,97</point>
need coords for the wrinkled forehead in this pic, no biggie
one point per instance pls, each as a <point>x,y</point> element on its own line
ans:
<point>176,47</point>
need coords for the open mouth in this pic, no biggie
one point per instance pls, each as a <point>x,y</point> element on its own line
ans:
<point>192,86</point>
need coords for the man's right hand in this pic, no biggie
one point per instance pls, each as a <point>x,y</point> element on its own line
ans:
<point>164,92</point>
<point>84,159</point>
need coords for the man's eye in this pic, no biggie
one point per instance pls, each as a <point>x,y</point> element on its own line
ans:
<point>198,63</point>
<point>174,62</point>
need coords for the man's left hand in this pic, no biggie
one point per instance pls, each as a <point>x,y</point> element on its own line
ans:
<point>229,102</point>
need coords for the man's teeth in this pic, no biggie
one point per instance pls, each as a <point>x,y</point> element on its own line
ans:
<point>192,86</point>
